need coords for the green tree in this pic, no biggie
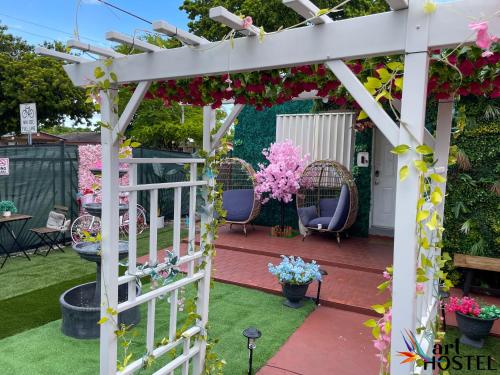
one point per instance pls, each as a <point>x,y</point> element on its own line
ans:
<point>270,14</point>
<point>28,78</point>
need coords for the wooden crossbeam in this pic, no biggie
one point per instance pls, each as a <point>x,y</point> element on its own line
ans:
<point>222,15</point>
<point>105,52</point>
<point>397,4</point>
<point>375,35</point>
<point>60,55</point>
<point>307,10</point>
<point>377,114</point>
<point>136,43</point>
<point>181,35</point>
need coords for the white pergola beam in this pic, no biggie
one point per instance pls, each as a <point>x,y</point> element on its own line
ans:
<point>136,43</point>
<point>60,55</point>
<point>307,10</point>
<point>375,35</point>
<point>131,108</point>
<point>372,108</point>
<point>222,15</point>
<point>397,4</point>
<point>105,52</point>
<point>179,34</point>
<point>227,124</point>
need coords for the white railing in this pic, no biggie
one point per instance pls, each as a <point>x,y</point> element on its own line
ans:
<point>190,348</point>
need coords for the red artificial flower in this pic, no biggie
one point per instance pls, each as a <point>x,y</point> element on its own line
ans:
<point>466,67</point>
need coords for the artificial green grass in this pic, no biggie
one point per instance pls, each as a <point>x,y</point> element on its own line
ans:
<point>491,348</point>
<point>20,276</point>
<point>30,291</point>
<point>45,351</point>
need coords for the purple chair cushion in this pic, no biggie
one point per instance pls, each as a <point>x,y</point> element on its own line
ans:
<point>324,221</point>
<point>306,214</point>
<point>342,210</point>
<point>327,206</point>
<point>238,204</point>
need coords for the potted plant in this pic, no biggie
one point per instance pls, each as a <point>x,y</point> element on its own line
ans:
<point>295,275</point>
<point>474,322</point>
<point>280,178</point>
<point>7,208</point>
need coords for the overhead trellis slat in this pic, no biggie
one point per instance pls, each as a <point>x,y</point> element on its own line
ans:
<point>222,15</point>
<point>136,43</point>
<point>181,35</point>
<point>307,10</point>
<point>60,55</point>
<point>105,52</point>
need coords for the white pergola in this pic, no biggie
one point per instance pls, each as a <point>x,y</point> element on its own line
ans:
<point>406,30</point>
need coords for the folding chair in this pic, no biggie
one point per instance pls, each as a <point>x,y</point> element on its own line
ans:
<point>54,230</point>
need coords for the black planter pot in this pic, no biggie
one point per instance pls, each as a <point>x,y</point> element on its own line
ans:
<point>294,294</point>
<point>473,329</point>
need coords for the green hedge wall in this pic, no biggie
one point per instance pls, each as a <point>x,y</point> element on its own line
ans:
<point>470,193</point>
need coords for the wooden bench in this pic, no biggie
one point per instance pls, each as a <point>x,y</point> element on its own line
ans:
<point>472,263</point>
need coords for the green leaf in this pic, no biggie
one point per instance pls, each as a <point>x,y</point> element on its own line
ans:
<point>376,332</point>
<point>398,82</point>
<point>362,115</point>
<point>378,308</point>
<point>395,66</point>
<point>424,150</point>
<point>400,149</point>
<point>384,74</point>
<point>403,173</point>
<point>103,320</point>
<point>372,83</point>
<point>420,165</point>
<point>113,76</point>
<point>370,323</point>
<point>384,285</point>
<point>436,196</point>
<point>98,72</point>
<point>422,215</point>
<point>322,11</point>
<point>437,178</point>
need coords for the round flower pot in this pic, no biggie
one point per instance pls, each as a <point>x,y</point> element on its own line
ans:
<point>473,329</point>
<point>294,294</point>
<point>6,213</point>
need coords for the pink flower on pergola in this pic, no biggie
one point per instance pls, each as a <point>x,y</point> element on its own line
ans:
<point>281,178</point>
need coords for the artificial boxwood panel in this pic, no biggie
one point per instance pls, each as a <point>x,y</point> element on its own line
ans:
<point>470,195</point>
<point>255,131</point>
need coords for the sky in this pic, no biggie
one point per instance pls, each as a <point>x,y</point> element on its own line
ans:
<point>39,20</point>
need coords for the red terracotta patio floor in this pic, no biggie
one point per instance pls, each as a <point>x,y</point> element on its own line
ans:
<point>330,341</point>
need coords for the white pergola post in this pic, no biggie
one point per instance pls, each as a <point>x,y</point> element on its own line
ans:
<point>413,108</point>
<point>442,145</point>
<point>204,284</point>
<point>109,231</point>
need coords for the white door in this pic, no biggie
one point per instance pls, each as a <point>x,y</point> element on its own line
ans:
<point>384,183</point>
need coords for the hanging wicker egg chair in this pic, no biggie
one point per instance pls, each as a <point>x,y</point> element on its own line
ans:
<point>327,200</point>
<point>237,179</point>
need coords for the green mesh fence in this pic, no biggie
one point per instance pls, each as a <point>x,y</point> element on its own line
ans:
<point>42,176</point>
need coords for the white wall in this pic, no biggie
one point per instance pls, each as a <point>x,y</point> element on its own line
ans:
<point>322,136</point>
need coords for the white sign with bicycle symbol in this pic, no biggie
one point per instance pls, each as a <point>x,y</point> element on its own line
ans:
<point>28,118</point>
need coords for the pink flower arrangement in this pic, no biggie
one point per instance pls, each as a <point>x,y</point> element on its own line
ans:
<point>247,22</point>
<point>280,178</point>
<point>464,305</point>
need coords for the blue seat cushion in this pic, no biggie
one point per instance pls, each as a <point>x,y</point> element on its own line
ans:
<point>238,203</point>
<point>306,214</point>
<point>342,211</point>
<point>327,206</point>
<point>324,221</point>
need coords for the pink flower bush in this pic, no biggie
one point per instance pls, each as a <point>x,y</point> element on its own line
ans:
<point>464,305</point>
<point>89,158</point>
<point>280,178</point>
<point>483,39</point>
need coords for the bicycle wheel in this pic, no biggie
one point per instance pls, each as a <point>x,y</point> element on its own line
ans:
<point>141,221</point>
<point>85,223</point>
